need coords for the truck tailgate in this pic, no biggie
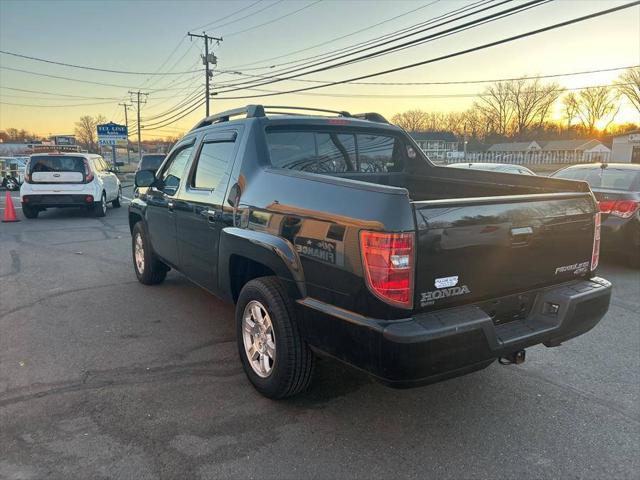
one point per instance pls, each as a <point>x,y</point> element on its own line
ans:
<point>475,249</point>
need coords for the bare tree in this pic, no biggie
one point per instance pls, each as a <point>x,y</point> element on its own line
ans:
<point>531,101</point>
<point>412,120</point>
<point>496,107</point>
<point>628,84</point>
<point>597,104</point>
<point>86,131</point>
<point>570,108</point>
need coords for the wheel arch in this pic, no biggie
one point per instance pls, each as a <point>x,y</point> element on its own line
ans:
<point>247,254</point>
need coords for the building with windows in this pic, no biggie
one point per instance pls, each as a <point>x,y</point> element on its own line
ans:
<point>436,145</point>
<point>626,147</point>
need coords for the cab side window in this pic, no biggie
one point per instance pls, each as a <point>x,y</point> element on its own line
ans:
<point>212,164</point>
<point>175,169</point>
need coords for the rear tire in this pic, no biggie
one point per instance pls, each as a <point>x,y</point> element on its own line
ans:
<point>291,370</point>
<point>148,267</point>
<point>100,208</point>
<point>29,211</point>
<point>116,202</point>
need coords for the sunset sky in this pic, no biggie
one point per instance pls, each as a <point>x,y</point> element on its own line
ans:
<point>149,36</point>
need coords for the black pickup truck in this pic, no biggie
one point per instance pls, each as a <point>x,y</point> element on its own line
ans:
<point>335,235</point>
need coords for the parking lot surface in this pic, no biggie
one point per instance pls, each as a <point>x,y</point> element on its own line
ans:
<point>101,377</point>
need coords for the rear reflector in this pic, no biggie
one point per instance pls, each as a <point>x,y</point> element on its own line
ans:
<point>388,260</point>
<point>619,208</point>
<point>595,253</point>
<point>88,198</point>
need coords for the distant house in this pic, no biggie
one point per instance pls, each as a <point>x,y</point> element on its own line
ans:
<point>515,147</point>
<point>578,150</point>
<point>436,144</point>
<point>626,147</point>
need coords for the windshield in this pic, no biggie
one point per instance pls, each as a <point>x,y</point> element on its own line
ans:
<point>610,178</point>
<point>151,162</point>
<point>56,164</point>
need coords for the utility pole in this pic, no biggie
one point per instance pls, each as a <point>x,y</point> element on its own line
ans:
<point>126,122</point>
<point>138,94</point>
<point>207,59</point>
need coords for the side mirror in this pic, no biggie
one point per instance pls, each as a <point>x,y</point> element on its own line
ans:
<point>144,178</point>
<point>234,195</point>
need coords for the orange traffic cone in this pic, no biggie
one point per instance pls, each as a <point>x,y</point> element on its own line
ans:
<point>9,210</point>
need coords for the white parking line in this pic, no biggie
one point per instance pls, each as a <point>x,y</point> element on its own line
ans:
<point>126,198</point>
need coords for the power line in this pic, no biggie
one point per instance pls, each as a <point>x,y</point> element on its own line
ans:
<point>454,82</point>
<point>430,95</point>
<point>236,67</point>
<point>227,16</point>
<point>387,50</point>
<point>237,32</point>
<point>217,25</point>
<point>55,94</point>
<point>380,40</point>
<point>175,114</point>
<point>30,72</point>
<point>195,94</point>
<point>458,53</point>
<point>56,106</point>
<point>82,67</point>
<point>177,119</point>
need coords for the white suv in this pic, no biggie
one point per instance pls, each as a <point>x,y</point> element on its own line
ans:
<point>69,180</point>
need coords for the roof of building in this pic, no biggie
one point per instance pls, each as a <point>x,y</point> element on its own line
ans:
<point>548,146</point>
<point>513,146</point>
<point>578,144</point>
<point>442,136</point>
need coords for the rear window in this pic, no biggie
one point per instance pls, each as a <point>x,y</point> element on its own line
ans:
<point>151,162</point>
<point>335,151</point>
<point>56,164</point>
<point>609,178</point>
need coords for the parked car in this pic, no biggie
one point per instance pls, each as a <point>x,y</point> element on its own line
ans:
<point>151,161</point>
<point>617,189</point>
<point>337,236</point>
<point>494,167</point>
<point>69,180</point>
<point>12,172</point>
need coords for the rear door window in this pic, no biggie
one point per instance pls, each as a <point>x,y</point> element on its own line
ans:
<point>212,164</point>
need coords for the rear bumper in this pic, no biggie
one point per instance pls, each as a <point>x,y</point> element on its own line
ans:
<point>57,200</point>
<point>438,345</point>
<point>620,234</point>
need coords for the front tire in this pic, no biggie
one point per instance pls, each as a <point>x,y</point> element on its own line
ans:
<point>275,357</point>
<point>149,269</point>
<point>100,208</point>
<point>30,212</point>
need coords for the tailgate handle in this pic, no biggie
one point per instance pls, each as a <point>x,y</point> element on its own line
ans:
<point>521,235</point>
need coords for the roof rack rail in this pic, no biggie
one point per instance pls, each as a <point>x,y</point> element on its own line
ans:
<point>342,113</point>
<point>253,111</point>
<point>371,116</point>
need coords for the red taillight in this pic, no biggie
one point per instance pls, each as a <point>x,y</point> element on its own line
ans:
<point>88,174</point>
<point>595,253</point>
<point>619,208</point>
<point>388,259</point>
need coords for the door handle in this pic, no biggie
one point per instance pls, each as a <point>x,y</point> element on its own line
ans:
<point>212,215</point>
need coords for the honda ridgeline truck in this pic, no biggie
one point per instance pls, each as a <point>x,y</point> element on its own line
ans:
<point>336,235</point>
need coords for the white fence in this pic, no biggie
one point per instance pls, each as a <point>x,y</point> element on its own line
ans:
<point>532,158</point>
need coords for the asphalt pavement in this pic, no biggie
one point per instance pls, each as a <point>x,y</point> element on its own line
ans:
<point>102,377</point>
